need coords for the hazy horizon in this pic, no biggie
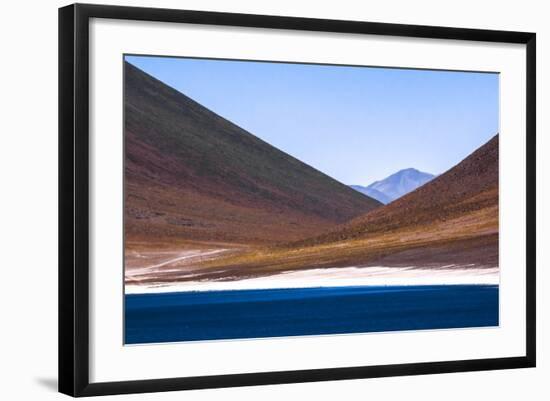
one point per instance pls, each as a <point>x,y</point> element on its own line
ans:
<point>355,124</point>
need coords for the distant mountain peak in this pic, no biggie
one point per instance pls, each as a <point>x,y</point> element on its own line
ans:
<point>408,171</point>
<point>396,185</point>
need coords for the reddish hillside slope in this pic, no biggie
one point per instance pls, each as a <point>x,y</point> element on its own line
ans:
<point>192,175</point>
<point>469,187</point>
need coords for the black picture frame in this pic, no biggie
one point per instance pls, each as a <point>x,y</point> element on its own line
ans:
<point>74,192</point>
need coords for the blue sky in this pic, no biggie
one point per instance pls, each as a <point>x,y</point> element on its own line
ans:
<point>356,124</point>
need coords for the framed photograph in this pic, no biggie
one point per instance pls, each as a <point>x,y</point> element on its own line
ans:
<point>250,199</point>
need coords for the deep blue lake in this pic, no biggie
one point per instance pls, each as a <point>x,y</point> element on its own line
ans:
<point>214,315</point>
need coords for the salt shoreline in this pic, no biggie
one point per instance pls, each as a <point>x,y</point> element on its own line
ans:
<point>335,277</point>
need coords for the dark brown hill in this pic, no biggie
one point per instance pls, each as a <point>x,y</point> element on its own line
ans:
<point>192,175</point>
<point>471,186</point>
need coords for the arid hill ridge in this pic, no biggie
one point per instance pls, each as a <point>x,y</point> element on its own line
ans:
<point>193,175</point>
<point>472,185</point>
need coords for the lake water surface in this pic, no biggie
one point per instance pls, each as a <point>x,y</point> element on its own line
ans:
<point>216,315</point>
